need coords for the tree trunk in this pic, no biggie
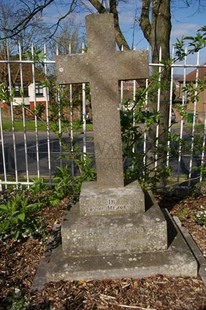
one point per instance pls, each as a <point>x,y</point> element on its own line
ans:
<point>120,39</point>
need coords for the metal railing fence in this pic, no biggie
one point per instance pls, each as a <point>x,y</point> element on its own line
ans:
<point>27,153</point>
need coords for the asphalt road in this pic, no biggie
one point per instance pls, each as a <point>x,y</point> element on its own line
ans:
<point>47,167</point>
<point>36,162</point>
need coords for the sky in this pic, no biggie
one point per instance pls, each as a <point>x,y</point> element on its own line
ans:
<point>185,21</point>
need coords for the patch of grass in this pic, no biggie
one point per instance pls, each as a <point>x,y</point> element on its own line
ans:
<point>18,125</point>
<point>30,126</point>
<point>198,127</point>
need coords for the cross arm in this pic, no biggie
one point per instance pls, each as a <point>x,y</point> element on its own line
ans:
<point>132,65</point>
<point>73,69</point>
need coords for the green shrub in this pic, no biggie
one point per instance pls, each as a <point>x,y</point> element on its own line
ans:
<point>16,218</point>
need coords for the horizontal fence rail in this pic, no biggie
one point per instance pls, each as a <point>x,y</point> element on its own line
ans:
<point>39,119</point>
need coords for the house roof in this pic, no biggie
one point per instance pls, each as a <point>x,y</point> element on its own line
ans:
<point>16,72</point>
<point>191,77</point>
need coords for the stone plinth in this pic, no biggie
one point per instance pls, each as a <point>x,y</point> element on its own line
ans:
<point>108,221</point>
<point>176,260</point>
<point>95,200</point>
<point>112,234</point>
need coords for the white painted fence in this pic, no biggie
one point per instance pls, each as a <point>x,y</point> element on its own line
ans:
<point>26,155</point>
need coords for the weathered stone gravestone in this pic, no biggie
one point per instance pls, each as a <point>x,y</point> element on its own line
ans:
<point>103,67</point>
<point>103,230</point>
<point>113,231</point>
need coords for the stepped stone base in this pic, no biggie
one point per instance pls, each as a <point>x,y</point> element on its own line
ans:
<point>118,223</point>
<point>116,246</point>
<point>177,260</point>
<point>113,234</point>
<point>172,262</point>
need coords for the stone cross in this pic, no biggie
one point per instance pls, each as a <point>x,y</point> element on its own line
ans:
<point>102,66</point>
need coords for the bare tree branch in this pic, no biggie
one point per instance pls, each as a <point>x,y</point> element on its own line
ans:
<point>98,6</point>
<point>120,39</point>
<point>29,14</point>
<point>24,22</point>
<point>71,9</point>
<point>144,19</point>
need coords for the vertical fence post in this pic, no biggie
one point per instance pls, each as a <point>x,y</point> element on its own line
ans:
<point>194,122</point>
<point>158,109</point>
<point>203,149</point>
<point>84,148</point>
<point>58,99</point>
<point>23,115</point>
<point>134,98</point>
<point>145,133</point>
<point>12,117</point>
<point>170,112</point>
<point>47,116</point>
<point>71,126</point>
<point>182,120</point>
<point>2,147</point>
<point>35,116</point>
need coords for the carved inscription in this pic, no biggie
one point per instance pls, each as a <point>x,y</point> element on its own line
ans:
<point>111,165</point>
<point>96,209</point>
<point>131,234</point>
<point>106,149</point>
<point>112,205</point>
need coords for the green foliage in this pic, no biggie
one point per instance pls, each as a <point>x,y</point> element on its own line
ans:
<point>182,110</point>
<point>20,304</point>
<point>36,55</point>
<point>39,109</point>
<point>197,42</point>
<point>194,44</point>
<point>17,301</point>
<point>136,120</point>
<point>193,90</point>
<point>4,94</point>
<point>200,216</point>
<point>183,213</point>
<point>41,193</point>
<point>66,183</point>
<point>200,187</point>
<point>16,217</point>
<point>180,49</point>
<point>38,186</point>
